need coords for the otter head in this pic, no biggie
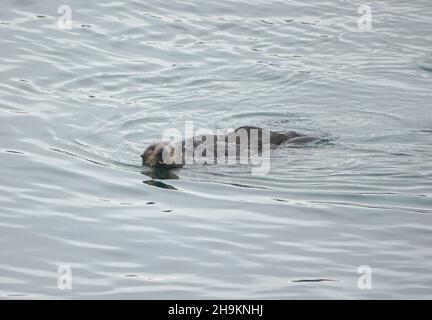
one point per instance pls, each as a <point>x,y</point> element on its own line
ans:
<point>162,155</point>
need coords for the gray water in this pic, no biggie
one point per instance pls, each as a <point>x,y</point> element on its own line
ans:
<point>79,105</point>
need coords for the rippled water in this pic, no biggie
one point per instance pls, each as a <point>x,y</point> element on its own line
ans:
<point>79,105</point>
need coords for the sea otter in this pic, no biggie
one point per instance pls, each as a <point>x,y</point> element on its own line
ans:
<point>243,139</point>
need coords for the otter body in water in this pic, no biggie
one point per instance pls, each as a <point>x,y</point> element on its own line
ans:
<point>243,139</point>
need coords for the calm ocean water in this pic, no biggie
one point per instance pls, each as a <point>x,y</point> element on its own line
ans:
<point>79,105</point>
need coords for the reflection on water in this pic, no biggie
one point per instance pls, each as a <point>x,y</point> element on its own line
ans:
<point>80,105</point>
<point>159,184</point>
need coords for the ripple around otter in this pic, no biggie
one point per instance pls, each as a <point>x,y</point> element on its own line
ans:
<point>80,105</point>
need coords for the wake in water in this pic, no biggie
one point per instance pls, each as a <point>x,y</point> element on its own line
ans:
<point>242,144</point>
